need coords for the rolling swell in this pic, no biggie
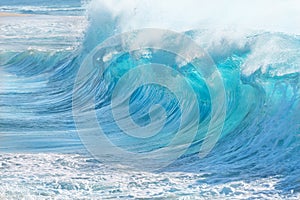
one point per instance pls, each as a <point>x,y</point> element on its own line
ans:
<point>260,71</point>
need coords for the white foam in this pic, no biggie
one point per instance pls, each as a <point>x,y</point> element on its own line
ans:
<point>271,15</point>
<point>72,176</point>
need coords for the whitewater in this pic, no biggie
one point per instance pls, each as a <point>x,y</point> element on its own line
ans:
<point>65,65</point>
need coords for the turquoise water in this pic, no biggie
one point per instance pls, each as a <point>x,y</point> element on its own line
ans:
<point>42,154</point>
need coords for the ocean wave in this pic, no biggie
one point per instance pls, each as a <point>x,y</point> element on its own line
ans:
<point>259,70</point>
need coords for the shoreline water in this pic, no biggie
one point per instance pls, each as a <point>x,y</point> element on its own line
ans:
<point>9,14</point>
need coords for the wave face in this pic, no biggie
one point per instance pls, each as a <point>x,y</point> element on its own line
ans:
<point>258,147</point>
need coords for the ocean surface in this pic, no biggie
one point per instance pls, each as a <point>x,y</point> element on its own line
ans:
<point>44,106</point>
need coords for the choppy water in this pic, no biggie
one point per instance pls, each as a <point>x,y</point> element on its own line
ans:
<point>42,156</point>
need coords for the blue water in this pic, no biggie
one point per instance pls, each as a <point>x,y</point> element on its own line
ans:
<point>43,156</point>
